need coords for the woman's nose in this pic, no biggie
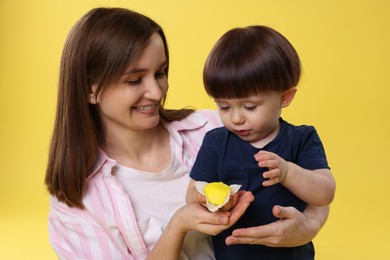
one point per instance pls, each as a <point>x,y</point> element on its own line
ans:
<point>154,90</point>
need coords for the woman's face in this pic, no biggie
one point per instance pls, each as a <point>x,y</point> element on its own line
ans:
<point>133,103</point>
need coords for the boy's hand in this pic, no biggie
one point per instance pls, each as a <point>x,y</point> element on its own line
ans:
<point>193,196</point>
<point>278,167</point>
<point>200,199</point>
<point>231,203</point>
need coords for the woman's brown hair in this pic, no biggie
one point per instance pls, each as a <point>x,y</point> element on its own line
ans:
<point>246,61</point>
<point>99,48</point>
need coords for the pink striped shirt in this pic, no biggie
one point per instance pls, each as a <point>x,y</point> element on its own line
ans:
<point>107,227</point>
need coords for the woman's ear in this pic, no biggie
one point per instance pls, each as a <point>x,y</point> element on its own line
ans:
<point>92,99</point>
<point>288,96</point>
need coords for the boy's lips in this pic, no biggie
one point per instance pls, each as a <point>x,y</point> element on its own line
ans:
<point>242,132</point>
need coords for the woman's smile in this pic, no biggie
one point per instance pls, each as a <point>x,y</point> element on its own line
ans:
<point>146,107</point>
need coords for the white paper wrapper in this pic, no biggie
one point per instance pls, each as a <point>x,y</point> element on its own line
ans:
<point>200,185</point>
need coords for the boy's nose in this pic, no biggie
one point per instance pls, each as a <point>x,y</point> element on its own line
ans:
<point>237,118</point>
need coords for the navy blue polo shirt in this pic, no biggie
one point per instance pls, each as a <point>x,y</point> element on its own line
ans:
<point>224,157</point>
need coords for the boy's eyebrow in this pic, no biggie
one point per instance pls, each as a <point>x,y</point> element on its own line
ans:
<point>219,101</point>
<point>139,70</point>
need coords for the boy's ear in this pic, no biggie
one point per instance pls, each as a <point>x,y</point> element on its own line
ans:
<point>288,96</point>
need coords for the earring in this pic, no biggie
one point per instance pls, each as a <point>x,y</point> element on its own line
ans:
<point>92,100</point>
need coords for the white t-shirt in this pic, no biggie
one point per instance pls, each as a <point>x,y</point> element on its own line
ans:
<point>156,197</point>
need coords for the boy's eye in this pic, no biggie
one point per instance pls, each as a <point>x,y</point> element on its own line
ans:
<point>250,108</point>
<point>223,108</point>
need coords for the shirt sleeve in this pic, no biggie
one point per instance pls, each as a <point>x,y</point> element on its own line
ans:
<point>75,235</point>
<point>310,151</point>
<point>206,164</point>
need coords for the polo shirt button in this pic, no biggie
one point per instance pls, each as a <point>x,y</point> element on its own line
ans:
<point>188,156</point>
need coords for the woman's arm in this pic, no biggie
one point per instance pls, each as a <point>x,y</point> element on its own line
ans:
<point>74,234</point>
<point>292,229</point>
<point>193,216</point>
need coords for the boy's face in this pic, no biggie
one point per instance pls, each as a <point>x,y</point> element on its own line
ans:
<point>255,119</point>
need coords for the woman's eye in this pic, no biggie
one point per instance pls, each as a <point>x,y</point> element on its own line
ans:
<point>134,81</point>
<point>161,74</point>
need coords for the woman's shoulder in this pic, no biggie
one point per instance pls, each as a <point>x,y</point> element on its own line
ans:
<point>207,119</point>
<point>206,115</point>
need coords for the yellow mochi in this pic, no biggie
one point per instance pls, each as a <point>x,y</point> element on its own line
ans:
<point>216,192</point>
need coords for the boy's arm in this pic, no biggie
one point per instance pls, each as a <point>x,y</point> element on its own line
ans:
<point>315,187</point>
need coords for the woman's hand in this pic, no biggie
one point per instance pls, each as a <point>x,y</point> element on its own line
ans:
<point>194,216</point>
<point>292,229</point>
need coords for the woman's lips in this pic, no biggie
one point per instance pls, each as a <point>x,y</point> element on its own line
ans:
<point>147,109</point>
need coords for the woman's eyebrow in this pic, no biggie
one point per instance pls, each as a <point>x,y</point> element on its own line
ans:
<point>139,70</point>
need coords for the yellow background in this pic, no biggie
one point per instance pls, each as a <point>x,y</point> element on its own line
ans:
<point>344,92</point>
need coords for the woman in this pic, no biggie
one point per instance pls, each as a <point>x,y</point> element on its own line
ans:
<point>119,162</point>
